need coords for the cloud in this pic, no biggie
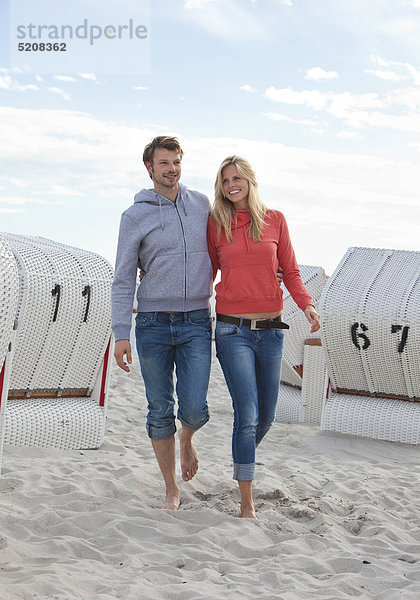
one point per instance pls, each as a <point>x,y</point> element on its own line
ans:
<point>387,75</point>
<point>9,84</point>
<point>380,61</point>
<point>12,70</point>
<point>18,200</point>
<point>64,78</point>
<point>397,109</point>
<point>88,76</point>
<point>86,170</point>
<point>351,135</point>
<point>274,116</point>
<point>284,2</point>
<point>228,20</point>
<point>140,88</point>
<point>248,88</point>
<point>313,98</point>
<point>191,4</point>
<point>59,92</point>
<point>318,74</point>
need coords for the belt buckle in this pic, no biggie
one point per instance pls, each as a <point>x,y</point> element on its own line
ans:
<point>253,325</point>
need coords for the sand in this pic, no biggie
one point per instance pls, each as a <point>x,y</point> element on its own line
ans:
<point>338,517</point>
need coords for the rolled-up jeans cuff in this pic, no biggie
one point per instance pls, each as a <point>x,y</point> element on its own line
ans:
<point>195,426</point>
<point>161,433</point>
<point>243,472</point>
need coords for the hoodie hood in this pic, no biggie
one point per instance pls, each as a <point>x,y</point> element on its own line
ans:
<point>150,196</point>
<point>153,197</point>
<point>241,219</point>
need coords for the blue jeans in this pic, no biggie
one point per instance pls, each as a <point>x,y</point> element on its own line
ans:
<point>183,340</point>
<point>251,364</point>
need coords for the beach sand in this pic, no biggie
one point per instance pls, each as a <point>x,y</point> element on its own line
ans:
<point>338,517</point>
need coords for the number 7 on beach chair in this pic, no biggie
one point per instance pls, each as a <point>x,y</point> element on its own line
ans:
<point>370,333</point>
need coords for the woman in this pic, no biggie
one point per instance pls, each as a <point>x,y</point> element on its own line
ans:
<point>248,242</point>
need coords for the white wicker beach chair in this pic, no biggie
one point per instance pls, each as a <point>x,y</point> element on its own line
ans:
<point>370,333</point>
<point>303,375</point>
<point>9,293</point>
<point>60,373</point>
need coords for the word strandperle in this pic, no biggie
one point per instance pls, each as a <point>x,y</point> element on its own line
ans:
<point>84,31</point>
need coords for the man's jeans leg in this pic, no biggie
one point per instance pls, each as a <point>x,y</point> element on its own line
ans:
<point>164,340</point>
<point>156,356</point>
<point>193,361</point>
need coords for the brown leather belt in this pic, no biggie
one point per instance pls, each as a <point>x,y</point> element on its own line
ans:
<point>275,323</point>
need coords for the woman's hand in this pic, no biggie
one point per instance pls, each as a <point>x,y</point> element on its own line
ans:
<point>313,318</point>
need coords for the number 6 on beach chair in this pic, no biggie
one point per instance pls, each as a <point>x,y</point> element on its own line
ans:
<point>60,372</point>
<point>370,333</point>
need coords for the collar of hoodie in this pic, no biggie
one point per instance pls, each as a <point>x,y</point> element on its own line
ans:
<point>180,202</point>
<point>242,220</point>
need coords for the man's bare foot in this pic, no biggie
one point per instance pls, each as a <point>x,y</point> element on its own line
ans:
<point>248,512</point>
<point>172,501</point>
<point>189,458</point>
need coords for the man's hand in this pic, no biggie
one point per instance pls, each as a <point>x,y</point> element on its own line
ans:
<point>279,275</point>
<point>313,318</point>
<point>123,348</point>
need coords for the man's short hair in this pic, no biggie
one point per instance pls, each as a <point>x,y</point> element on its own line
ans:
<point>162,141</point>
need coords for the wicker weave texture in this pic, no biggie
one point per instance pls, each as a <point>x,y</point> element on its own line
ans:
<point>314,279</point>
<point>65,313</point>
<point>289,375</point>
<point>380,418</point>
<point>371,322</point>
<point>68,424</point>
<point>314,384</point>
<point>9,293</point>
<point>288,404</point>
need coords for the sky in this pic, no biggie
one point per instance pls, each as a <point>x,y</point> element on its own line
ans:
<point>322,97</point>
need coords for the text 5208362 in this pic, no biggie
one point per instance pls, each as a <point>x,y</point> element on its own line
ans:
<point>41,47</point>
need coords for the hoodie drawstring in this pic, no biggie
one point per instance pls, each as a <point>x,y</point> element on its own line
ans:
<point>246,234</point>
<point>181,200</point>
<point>161,214</point>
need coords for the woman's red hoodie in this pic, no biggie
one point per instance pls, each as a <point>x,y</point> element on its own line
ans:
<point>248,268</point>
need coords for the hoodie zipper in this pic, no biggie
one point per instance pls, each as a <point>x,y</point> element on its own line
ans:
<point>185,252</point>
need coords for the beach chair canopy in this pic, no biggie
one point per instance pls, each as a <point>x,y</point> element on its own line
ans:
<point>61,351</point>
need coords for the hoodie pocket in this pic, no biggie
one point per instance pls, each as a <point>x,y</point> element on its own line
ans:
<point>199,275</point>
<point>248,282</point>
<point>165,278</point>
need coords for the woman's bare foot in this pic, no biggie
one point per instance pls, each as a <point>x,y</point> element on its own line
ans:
<point>189,458</point>
<point>172,501</point>
<point>247,504</point>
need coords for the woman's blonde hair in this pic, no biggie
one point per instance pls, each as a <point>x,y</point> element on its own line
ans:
<point>224,210</point>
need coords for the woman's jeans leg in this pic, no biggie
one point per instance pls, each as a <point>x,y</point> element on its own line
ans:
<point>251,363</point>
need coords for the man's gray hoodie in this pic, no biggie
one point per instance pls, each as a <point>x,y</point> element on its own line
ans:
<point>168,241</point>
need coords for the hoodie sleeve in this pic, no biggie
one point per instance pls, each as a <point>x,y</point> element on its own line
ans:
<point>287,259</point>
<point>212,247</point>
<point>124,284</point>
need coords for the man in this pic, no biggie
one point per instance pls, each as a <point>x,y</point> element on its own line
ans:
<point>164,233</point>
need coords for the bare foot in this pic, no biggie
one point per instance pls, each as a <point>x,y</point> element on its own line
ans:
<point>189,458</point>
<point>172,501</point>
<point>248,512</point>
